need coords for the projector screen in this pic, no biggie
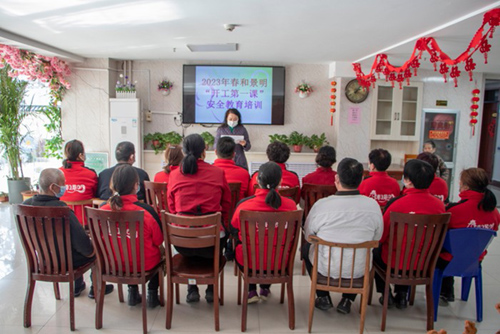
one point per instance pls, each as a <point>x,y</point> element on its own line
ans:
<point>258,92</point>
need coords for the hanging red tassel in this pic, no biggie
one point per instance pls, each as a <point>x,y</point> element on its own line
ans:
<point>443,69</point>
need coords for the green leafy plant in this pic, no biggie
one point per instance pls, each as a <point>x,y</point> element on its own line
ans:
<point>278,137</point>
<point>315,141</point>
<point>173,138</point>
<point>53,147</point>
<point>296,138</point>
<point>165,85</point>
<point>208,138</point>
<point>303,87</point>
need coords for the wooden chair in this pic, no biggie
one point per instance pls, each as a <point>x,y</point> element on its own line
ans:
<point>395,174</point>
<point>292,193</point>
<point>156,195</point>
<point>118,260</point>
<point>360,285</point>
<point>235,188</point>
<point>45,236</point>
<point>417,240</point>
<point>193,232</point>
<point>312,193</point>
<point>97,202</point>
<point>409,157</point>
<point>78,208</point>
<point>281,227</point>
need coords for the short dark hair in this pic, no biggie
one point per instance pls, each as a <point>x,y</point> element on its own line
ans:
<point>430,158</point>
<point>419,172</point>
<point>326,156</point>
<point>278,152</point>
<point>225,148</point>
<point>124,150</point>
<point>380,158</point>
<point>430,141</point>
<point>350,173</point>
<point>231,111</point>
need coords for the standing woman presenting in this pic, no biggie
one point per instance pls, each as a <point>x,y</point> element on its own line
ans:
<point>232,127</point>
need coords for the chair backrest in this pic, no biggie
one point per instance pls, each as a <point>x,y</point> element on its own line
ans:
<point>45,236</point>
<point>466,245</point>
<point>191,232</point>
<point>117,255</point>
<point>344,270</point>
<point>395,174</point>
<point>416,240</point>
<point>292,193</point>
<point>269,242</point>
<point>156,195</point>
<point>409,157</point>
<point>235,188</point>
<point>314,192</point>
<point>78,208</point>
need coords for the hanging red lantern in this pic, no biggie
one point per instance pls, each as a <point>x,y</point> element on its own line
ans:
<point>474,107</point>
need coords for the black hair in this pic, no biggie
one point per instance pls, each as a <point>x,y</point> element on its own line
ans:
<point>231,111</point>
<point>193,147</point>
<point>430,158</point>
<point>122,183</point>
<point>225,148</point>
<point>350,173</point>
<point>124,150</point>
<point>278,152</point>
<point>380,158</point>
<point>419,172</point>
<point>477,180</point>
<point>430,141</point>
<point>326,156</point>
<point>269,177</point>
<point>72,151</point>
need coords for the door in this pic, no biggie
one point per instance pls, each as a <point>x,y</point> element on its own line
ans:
<point>487,148</point>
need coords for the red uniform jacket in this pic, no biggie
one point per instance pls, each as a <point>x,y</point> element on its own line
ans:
<point>418,201</point>
<point>234,174</point>
<point>202,193</point>
<point>153,236</point>
<point>162,177</point>
<point>380,186</point>
<point>321,175</point>
<point>465,214</point>
<point>81,183</point>
<point>288,180</point>
<point>257,203</point>
<point>439,188</point>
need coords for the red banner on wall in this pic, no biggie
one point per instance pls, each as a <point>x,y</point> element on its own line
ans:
<point>439,135</point>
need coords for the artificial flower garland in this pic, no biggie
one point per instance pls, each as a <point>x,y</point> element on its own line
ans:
<point>400,74</point>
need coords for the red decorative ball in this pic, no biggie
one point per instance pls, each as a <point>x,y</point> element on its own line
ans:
<point>334,90</point>
<point>473,121</point>
<point>475,99</point>
<point>474,106</point>
<point>334,83</point>
<point>332,103</point>
<point>474,114</point>
<point>332,110</point>
<point>476,91</point>
<point>332,97</point>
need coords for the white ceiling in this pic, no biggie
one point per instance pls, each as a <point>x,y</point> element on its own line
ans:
<point>291,31</point>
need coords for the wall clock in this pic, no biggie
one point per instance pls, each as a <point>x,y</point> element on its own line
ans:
<point>355,92</point>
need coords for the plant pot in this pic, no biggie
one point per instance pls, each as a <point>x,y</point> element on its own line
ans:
<point>4,198</point>
<point>303,95</point>
<point>16,187</point>
<point>155,143</point>
<point>165,92</point>
<point>126,95</point>
<point>316,149</point>
<point>28,194</point>
<point>297,148</point>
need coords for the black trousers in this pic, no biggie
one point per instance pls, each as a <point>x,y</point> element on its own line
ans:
<point>379,281</point>
<point>319,293</point>
<point>253,287</point>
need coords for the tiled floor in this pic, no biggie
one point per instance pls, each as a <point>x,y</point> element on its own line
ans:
<point>50,316</point>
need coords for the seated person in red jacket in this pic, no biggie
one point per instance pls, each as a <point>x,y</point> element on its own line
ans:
<point>417,177</point>
<point>439,187</point>
<point>278,152</point>
<point>52,188</point>
<point>379,185</point>
<point>477,208</point>
<point>124,186</point>
<point>324,174</point>
<point>198,188</point>
<point>81,182</point>
<point>225,152</point>
<point>266,199</point>
<point>173,157</point>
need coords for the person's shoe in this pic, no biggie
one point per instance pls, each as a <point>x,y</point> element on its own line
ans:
<point>79,289</point>
<point>152,299</point>
<point>344,306</point>
<point>134,297</point>
<point>193,295</point>
<point>390,304</point>
<point>264,293</point>
<point>323,303</point>
<point>401,301</point>
<point>253,297</point>
<point>109,289</point>
<point>209,296</point>
<point>450,297</point>
<point>443,301</point>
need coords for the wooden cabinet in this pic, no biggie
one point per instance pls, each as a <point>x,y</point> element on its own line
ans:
<point>398,112</point>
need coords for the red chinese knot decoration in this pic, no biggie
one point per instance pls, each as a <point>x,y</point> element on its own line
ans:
<point>473,108</point>
<point>333,90</point>
<point>381,64</point>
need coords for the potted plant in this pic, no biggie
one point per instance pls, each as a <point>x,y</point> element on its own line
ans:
<point>304,90</point>
<point>297,140</point>
<point>125,90</point>
<point>4,197</point>
<point>173,138</point>
<point>278,137</point>
<point>315,142</point>
<point>12,91</point>
<point>209,139</point>
<point>165,87</point>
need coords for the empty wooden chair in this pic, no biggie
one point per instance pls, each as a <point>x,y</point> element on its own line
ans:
<point>274,267</point>
<point>359,285</point>
<point>193,232</point>
<point>119,260</point>
<point>417,241</point>
<point>156,195</point>
<point>45,236</point>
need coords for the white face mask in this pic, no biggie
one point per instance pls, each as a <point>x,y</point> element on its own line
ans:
<point>232,123</point>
